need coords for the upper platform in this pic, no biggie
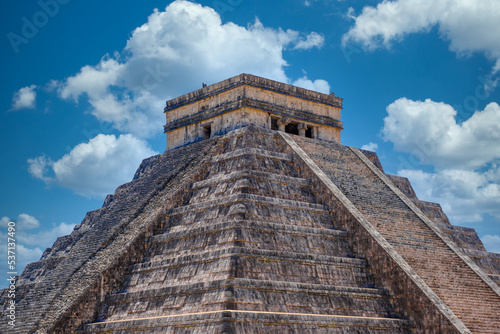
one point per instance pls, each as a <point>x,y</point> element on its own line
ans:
<point>248,99</point>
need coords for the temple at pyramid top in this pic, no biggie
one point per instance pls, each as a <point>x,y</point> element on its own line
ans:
<point>248,99</point>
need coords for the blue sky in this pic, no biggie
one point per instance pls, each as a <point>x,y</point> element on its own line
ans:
<point>84,84</point>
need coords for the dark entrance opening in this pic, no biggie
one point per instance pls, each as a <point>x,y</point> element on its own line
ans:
<point>274,123</point>
<point>309,132</point>
<point>207,131</point>
<point>292,128</point>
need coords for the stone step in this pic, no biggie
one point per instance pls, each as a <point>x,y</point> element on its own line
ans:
<point>241,251</point>
<point>261,224</point>
<point>252,146</point>
<point>256,137</point>
<point>489,262</point>
<point>254,213</point>
<point>248,294</point>
<point>253,159</point>
<point>236,321</point>
<point>214,180</point>
<point>241,182</point>
<point>252,151</point>
<point>250,134</point>
<point>248,263</point>
<point>265,200</point>
<point>249,206</point>
<point>252,235</point>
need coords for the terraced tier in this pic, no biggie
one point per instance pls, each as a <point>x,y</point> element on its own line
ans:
<point>250,295</point>
<point>65,285</point>
<point>251,234</point>
<point>250,250</point>
<point>233,321</point>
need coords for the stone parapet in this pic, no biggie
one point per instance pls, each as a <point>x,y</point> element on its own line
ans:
<point>254,104</point>
<point>254,81</point>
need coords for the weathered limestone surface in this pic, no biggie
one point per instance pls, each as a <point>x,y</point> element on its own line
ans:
<point>238,234</point>
<point>250,100</point>
<point>65,286</point>
<point>250,250</point>
<point>466,238</point>
<point>460,291</point>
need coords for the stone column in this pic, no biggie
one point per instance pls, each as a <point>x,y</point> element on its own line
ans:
<point>282,123</point>
<point>302,129</point>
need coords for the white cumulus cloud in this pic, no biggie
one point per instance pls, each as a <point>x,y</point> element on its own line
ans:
<point>370,146</point>
<point>24,98</point>
<point>465,156</point>
<point>173,53</point>
<point>318,85</point>
<point>469,26</point>
<point>95,168</point>
<point>311,41</point>
<point>92,80</point>
<point>23,222</point>
<point>27,222</point>
<point>429,130</point>
<point>464,195</point>
<point>44,239</point>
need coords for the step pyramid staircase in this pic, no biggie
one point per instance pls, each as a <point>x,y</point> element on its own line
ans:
<point>449,276</point>
<point>246,224</point>
<point>260,231</point>
<point>466,238</point>
<point>250,250</point>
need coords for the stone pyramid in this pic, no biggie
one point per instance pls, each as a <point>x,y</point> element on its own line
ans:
<point>257,220</point>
